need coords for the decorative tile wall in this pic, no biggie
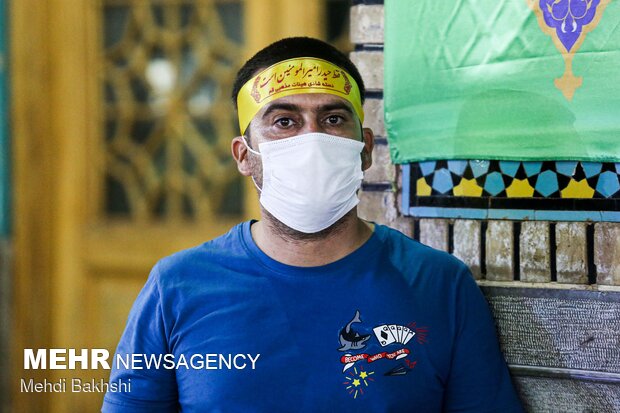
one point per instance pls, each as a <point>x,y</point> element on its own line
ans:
<point>550,190</point>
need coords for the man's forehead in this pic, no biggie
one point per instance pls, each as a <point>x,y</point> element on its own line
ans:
<point>307,101</point>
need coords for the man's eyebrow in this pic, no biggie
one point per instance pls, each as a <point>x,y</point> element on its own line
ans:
<point>336,106</point>
<point>291,107</point>
<point>281,106</point>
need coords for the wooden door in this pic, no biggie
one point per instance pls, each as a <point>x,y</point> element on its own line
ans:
<point>121,129</point>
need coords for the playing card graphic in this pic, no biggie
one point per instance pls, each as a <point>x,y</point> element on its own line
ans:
<point>384,335</point>
<point>407,334</point>
<point>392,333</point>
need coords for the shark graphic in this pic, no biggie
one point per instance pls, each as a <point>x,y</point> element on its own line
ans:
<point>350,339</point>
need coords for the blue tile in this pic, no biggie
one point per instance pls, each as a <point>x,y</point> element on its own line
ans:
<point>479,168</point>
<point>516,214</point>
<point>532,168</point>
<point>406,174</point>
<point>494,184</point>
<point>607,184</point>
<point>509,167</point>
<point>591,168</point>
<point>458,167</point>
<point>610,216</point>
<point>442,181</point>
<point>566,167</point>
<point>617,167</point>
<point>568,216</point>
<point>547,183</point>
<point>434,212</point>
<point>426,212</point>
<point>427,167</point>
<point>520,214</point>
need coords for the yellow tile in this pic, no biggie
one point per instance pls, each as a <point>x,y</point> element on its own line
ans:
<point>422,188</point>
<point>467,187</point>
<point>520,188</point>
<point>576,189</point>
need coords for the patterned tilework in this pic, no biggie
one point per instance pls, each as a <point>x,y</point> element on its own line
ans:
<point>514,179</point>
<point>516,186</point>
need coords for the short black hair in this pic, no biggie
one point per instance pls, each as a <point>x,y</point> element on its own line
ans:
<point>289,48</point>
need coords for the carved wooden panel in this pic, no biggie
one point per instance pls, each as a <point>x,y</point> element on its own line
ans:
<point>168,71</point>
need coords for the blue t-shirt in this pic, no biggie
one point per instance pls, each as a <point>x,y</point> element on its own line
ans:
<point>395,326</point>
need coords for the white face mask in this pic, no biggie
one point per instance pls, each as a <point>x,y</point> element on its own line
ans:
<point>310,181</point>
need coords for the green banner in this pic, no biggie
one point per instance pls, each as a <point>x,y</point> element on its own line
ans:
<point>503,79</point>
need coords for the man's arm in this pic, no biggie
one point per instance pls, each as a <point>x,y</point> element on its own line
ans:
<point>151,390</point>
<point>479,380</point>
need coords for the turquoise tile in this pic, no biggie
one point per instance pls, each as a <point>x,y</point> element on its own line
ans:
<point>607,184</point>
<point>514,214</point>
<point>494,183</point>
<point>547,183</point>
<point>458,167</point>
<point>479,168</point>
<point>568,216</point>
<point>442,181</point>
<point>509,167</point>
<point>610,216</point>
<point>427,167</point>
<point>518,214</point>
<point>591,168</point>
<point>406,174</point>
<point>435,212</point>
<point>566,167</point>
<point>532,168</point>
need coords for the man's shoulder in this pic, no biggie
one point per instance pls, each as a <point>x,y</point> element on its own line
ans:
<point>224,248</point>
<point>406,250</point>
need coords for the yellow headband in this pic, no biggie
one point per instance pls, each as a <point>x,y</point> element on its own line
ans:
<point>292,77</point>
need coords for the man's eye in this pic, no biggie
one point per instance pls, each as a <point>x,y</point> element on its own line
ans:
<point>334,119</point>
<point>284,122</point>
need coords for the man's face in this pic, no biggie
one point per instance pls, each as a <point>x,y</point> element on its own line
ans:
<point>300,114</point>
<point>297,115</point>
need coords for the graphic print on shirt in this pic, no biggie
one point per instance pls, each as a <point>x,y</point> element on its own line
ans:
<point>356,381</point>
<point>393,339</point>
<point>388,334</point>
<point>350,339</point>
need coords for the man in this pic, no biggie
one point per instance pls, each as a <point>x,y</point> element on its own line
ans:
<point>310,309</point>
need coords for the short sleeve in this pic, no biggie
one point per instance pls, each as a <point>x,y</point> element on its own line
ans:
<point>479,380</point>
<point>151,390</point>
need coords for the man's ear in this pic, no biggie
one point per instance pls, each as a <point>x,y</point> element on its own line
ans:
<point>369,143</point>
<point>240,154</point>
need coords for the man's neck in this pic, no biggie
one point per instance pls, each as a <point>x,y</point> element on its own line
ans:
<point>352,234</point>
